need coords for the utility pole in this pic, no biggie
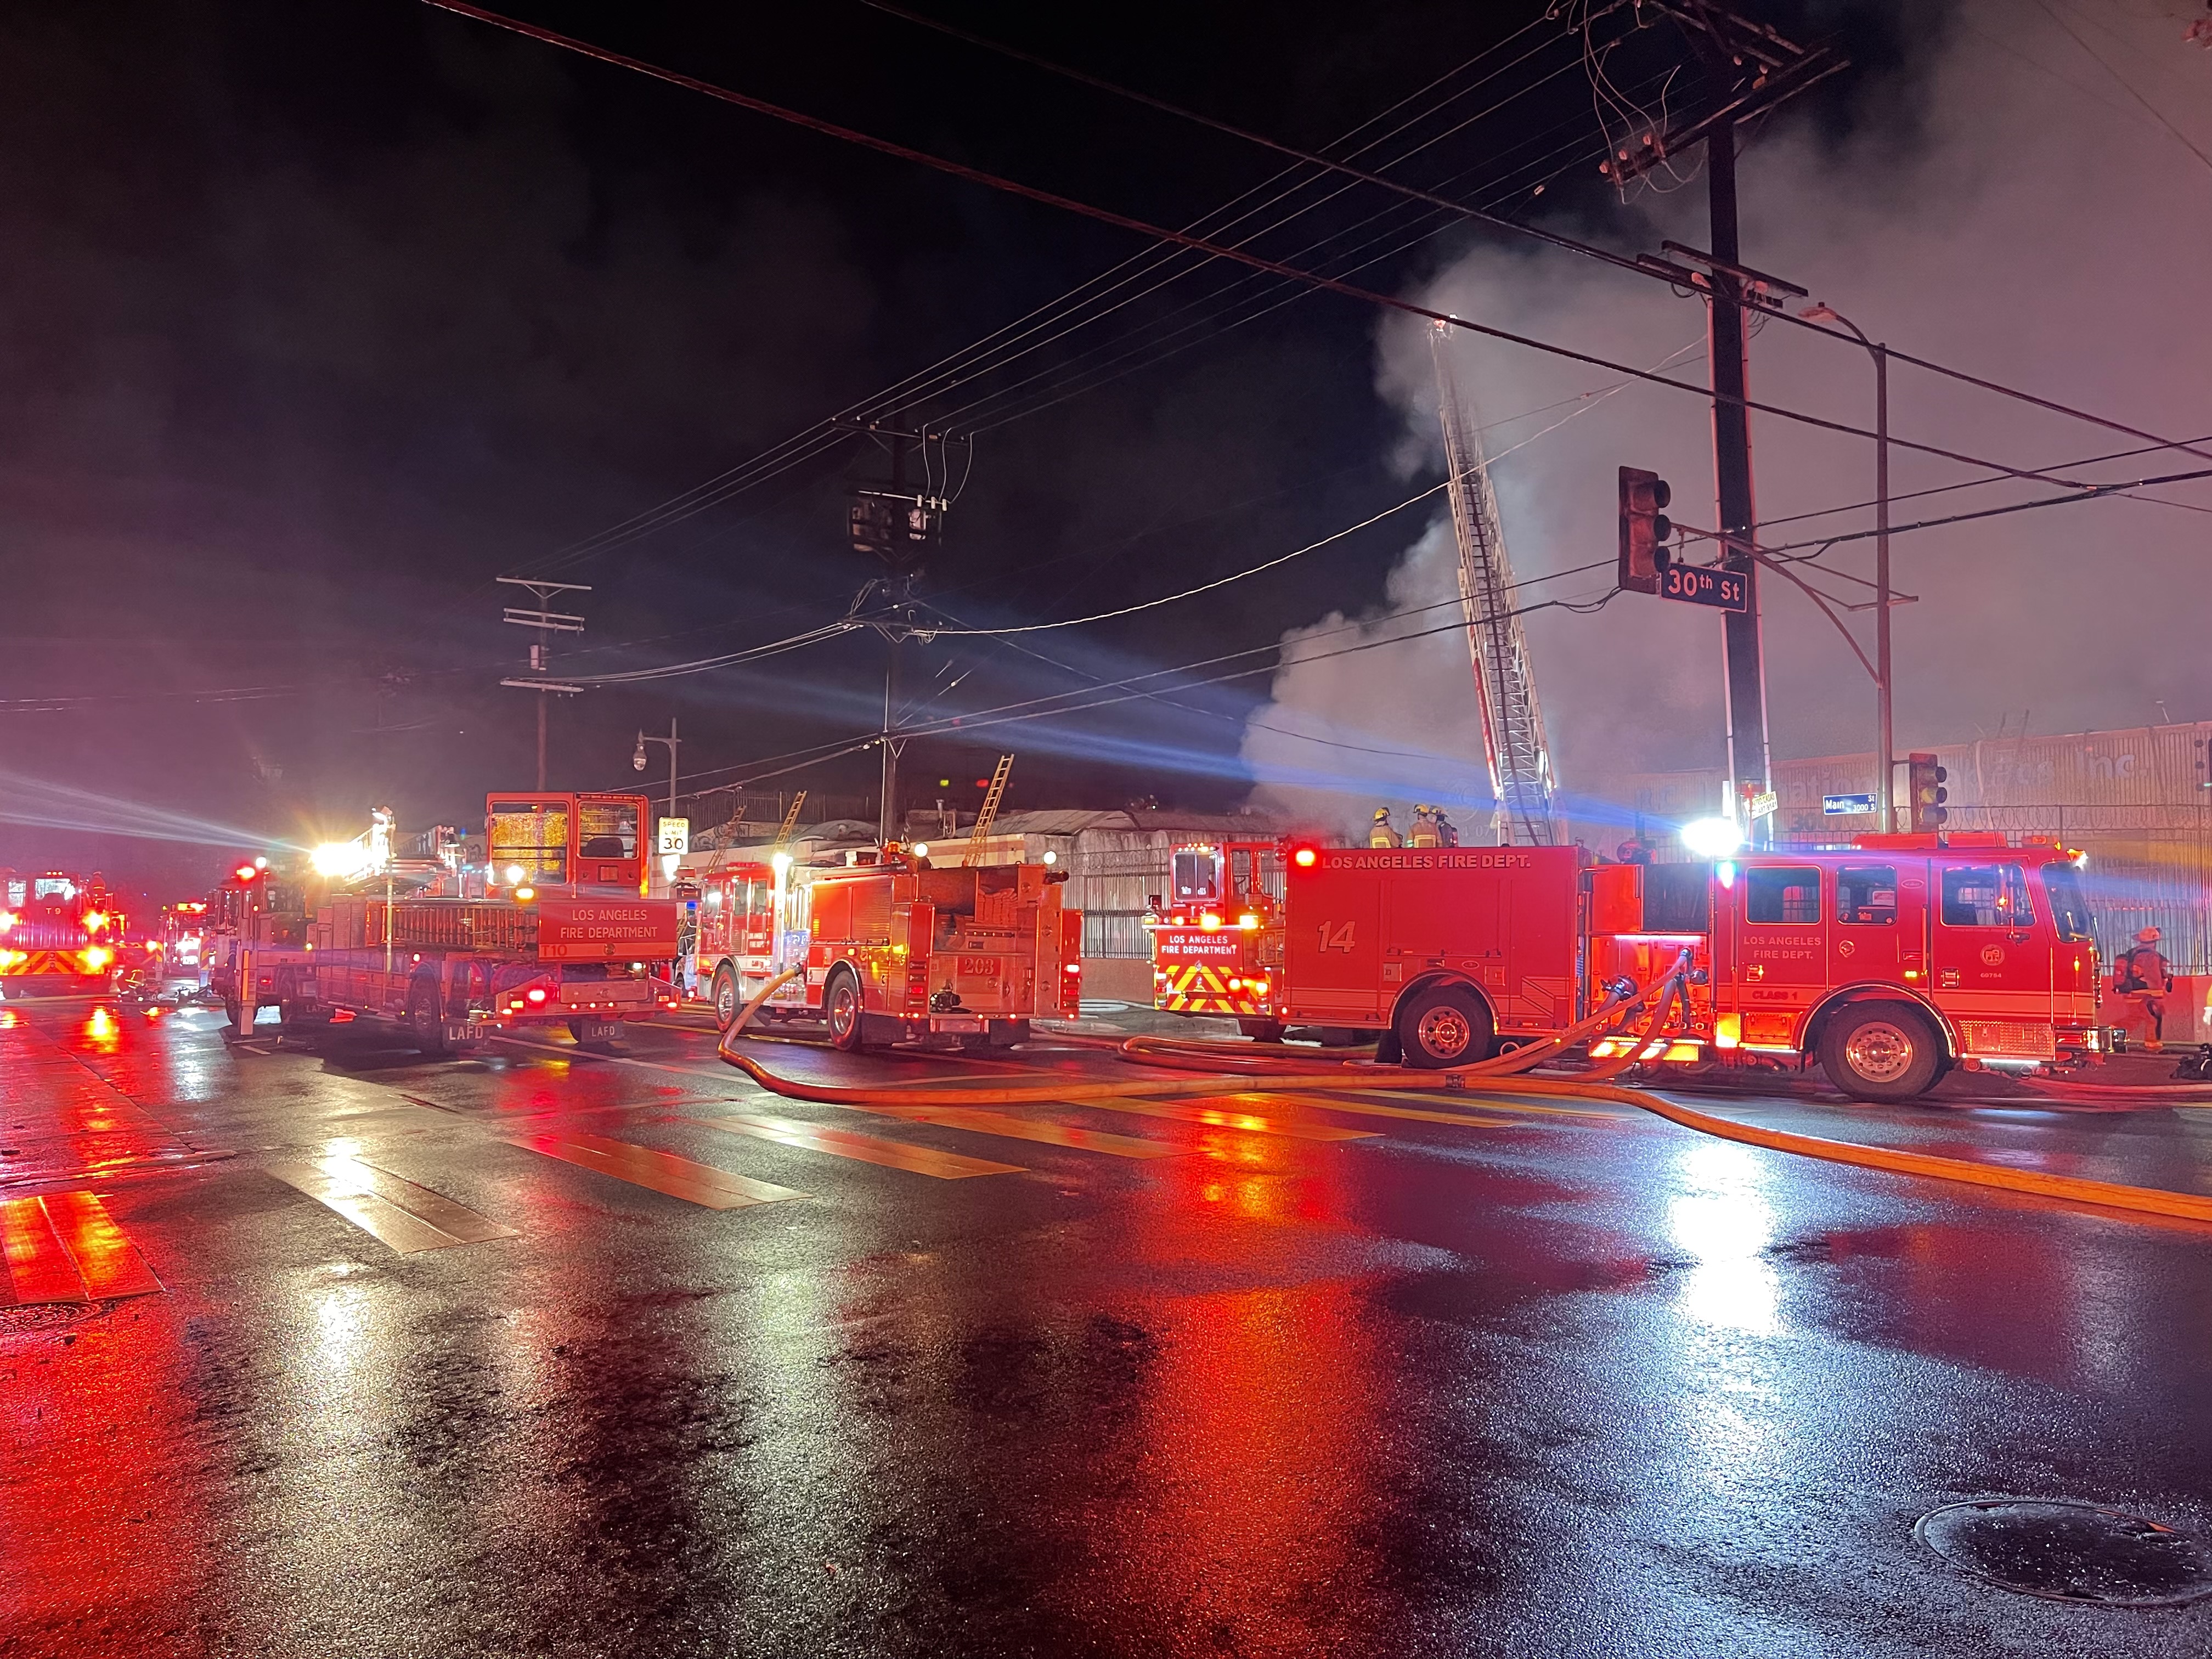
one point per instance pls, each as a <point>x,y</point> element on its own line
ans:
<point>1749,761</point>
<point>548,623</point>
<point>1753,70</point>
<point>897,527</point>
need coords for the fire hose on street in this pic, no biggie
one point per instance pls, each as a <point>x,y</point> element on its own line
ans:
<point>1593,1084</point>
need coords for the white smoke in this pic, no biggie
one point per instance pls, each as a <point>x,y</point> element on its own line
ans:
<point>2040,229</point>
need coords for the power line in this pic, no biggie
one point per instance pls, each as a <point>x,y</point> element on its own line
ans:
<point>1124,221</point>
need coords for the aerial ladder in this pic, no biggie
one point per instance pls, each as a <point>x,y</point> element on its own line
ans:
<point>987,814</point>
<point>1520,761</point>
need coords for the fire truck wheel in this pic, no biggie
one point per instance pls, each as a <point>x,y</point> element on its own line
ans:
<point>425,1019</point>
<point>726,996</point>
<point>840,1002</point>
<point>1443,1025</point>
<point>1261,1031</point>
<point>1881,1052</point>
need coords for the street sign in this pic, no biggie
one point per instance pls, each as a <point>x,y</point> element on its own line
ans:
<point>1846,805</point>
<point>1763,803</point>
<point>674,837</point>
<point>1704,584</point>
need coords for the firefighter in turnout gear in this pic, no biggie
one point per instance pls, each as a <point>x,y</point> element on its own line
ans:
<point>1380,833</point>
<point>1423,832</point>
<point>2143,976</point>
<point>1447,832</point>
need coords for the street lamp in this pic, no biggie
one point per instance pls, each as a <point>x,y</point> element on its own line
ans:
<point>1885,749</point>
<point>637,760</point>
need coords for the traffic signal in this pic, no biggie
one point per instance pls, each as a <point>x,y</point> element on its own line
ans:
<point>1925,779</point>
<point>1644,528</point>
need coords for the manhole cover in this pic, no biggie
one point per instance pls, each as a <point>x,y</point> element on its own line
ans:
<point>2068,1552</point>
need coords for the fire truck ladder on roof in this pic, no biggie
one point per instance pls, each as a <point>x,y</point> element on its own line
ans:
<point>1504,680</point>
<point>987,814</point>
<point>790,819</point>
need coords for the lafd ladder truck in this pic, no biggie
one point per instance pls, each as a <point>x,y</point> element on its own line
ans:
<point>1888,962</point>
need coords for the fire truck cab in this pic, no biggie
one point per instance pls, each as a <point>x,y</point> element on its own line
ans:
<point>1888,963</point>
<point>891,949</point>
<point>58,932</point>
<point>1215,946</point>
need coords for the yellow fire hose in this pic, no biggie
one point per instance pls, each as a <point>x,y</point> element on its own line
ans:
<point>2111,1196</point>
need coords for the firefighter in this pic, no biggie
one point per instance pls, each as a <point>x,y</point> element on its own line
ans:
<point>1380,833</point>
<point>1447,832</point>
<point>2143,976</point>
<point>1423,832</point>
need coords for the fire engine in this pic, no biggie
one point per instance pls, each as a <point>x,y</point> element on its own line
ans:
<point>1889,962</point>
<point>555,929</point>
<point>1214,948</point>
<point>59,933</point>
<point>892,949</point>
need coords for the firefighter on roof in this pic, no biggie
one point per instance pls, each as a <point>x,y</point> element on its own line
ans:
<point>1423,832</point>
<point>1447,832</point>
<point>1380,833</point>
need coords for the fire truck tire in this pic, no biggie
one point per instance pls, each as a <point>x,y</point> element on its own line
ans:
<point>231,1011</point>
<point>1881,1052</point>
<point>425,1018</point>
<point>727,1001</point>
<point>842,1006</point>
<point>1261,1031</point>
<point>1444,1025</point>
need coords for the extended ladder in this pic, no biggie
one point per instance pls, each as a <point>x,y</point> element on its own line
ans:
<point>1504,680</point>
<point>989,811</point>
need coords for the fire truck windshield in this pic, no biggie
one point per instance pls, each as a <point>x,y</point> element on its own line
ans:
<point>1197,875</point>
<point>606,830</point>
<point>2068,914</point>
<point>56,887</point>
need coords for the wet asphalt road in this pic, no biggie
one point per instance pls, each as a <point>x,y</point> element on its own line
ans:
<point>1514,1383</point>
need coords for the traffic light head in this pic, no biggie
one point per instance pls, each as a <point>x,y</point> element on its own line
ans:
<point>1925,789</point>
<point>1644,528</point>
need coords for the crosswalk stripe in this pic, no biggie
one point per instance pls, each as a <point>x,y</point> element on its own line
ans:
<point>1368,1109</point>
<point>1021,1128</point>
<point>39,1268</point>
<point>65,1247</point>
<point>391,1211</point>
<point>1222,1117</point>
<point>847,1143</point>
<point>661,1172</point>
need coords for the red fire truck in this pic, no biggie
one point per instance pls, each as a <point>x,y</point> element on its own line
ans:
<point>59,933</point>
<point>1889,962</point>
<point>1214,948</point>
<point>555,931</point>
<point>893,950</point>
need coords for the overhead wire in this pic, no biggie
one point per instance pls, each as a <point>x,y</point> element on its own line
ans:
<point>814,440</point>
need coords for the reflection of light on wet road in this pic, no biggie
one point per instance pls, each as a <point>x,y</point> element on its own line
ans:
<point>1726,1223</point>
<point>100,1031</point>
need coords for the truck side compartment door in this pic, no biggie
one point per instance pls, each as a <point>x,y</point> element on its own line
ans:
<point>1333,949</point>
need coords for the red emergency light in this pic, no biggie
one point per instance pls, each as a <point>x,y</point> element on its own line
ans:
<point>246,872</point>
<point>1303,857</point>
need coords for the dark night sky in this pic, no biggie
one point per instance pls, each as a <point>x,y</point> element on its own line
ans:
<point>316,319</point>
